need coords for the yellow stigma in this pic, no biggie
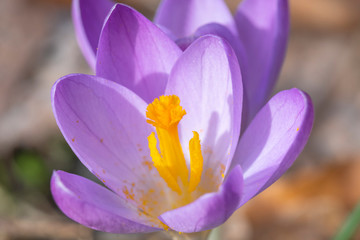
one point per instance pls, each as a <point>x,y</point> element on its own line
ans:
<point>165,114</point>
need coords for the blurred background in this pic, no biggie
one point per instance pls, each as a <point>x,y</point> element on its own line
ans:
<point>311,201</point>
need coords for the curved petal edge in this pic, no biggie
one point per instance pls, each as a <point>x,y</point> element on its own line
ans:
<point>90,112</point>
<point>135,53</point>
<point>273,140</point>
<point>207,79</point>
<point>182,18</point>
<point>263,30</point>
<point>94,206</point>
<point>88,17</point>
<point>210,210</point>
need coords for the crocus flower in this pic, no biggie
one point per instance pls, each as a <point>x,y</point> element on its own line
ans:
<point>160,128</point>
<point>258,34</point>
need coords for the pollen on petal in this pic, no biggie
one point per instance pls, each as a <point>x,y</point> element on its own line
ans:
<point>128,194</point>
<point>147,164</point>
<point>222,170</point>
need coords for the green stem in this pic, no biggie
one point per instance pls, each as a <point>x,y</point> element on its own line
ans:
<point>350,225</point>
<point>189,236</point>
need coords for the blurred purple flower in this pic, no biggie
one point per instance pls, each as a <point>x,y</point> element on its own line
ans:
<point>105,119</point>
<point>258,34</point>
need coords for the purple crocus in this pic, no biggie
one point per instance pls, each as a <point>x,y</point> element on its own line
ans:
<point>161,127</point>
<point>258,34</point>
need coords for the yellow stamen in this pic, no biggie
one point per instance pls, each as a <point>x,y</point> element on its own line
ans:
<point>196,162</point>
<point>165,114</point>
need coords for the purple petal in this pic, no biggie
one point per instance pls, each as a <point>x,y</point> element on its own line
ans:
<point>207,80</point>
<point>223,32</point>
<point>95,206</point>
<point>273,140</point>
<point>183,17</point>
<point>89,17</point>
<point>210,210</point>
<point>135,53</point>
<point>104,124</point>
<point>263,29</point>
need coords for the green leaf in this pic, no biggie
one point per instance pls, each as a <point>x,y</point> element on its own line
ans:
<point>350,226</point>
<point>31,170</point>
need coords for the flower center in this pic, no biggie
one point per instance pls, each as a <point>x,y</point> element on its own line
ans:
<point>165,114</point>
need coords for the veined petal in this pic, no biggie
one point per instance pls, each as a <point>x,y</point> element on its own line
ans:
<point>183,17</point>
<point>89,17</point>
<point>273,140</point>
<point>263,29</point>
<point>95,206</point>
<point>207,80</point>
<point>135,53</point>
<point>210,210</point>
<point>105,125</point>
